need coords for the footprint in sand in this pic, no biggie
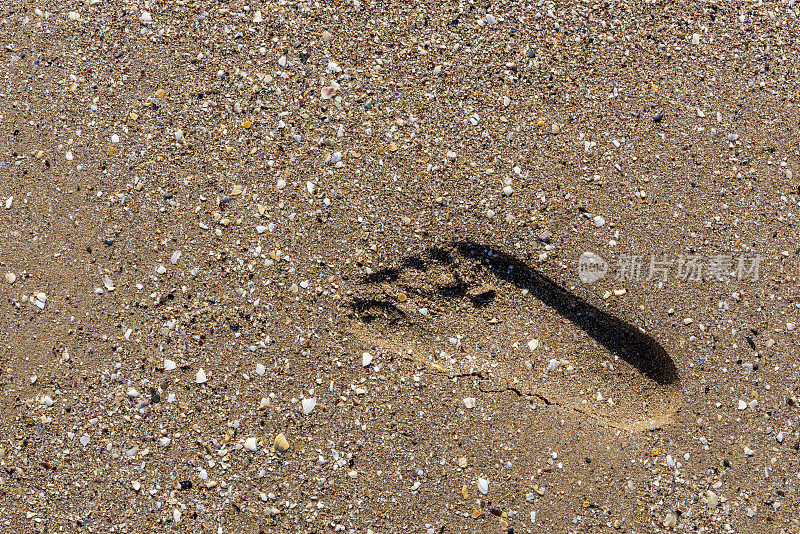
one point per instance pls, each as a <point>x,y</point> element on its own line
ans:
<point>469,310</point>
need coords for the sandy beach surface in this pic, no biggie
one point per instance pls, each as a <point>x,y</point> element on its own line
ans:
<point>370,267</point>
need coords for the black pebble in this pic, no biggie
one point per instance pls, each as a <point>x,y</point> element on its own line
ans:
<point>186,484</point>
<point>658,116</point>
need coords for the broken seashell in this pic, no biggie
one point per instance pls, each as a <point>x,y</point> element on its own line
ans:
<point>281,443</point>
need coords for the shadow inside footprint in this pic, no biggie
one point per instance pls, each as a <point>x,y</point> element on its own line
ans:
<point>621,338</point>
<point>625,340</point>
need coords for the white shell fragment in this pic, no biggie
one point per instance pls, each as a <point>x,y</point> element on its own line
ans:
<point>201,378</point>
<point>366,359</point>
<point>469,402</point>
<point>483,486</point>
<point>309,405</point>
<point>250,444</point>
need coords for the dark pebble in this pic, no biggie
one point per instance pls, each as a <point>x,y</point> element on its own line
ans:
<point>108,241</point>
<point>658,116</point>
<point>186,484</point>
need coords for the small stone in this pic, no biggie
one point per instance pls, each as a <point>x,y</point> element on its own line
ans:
<point>469,402</point>
<point>136,485</point>
<point>366,359</point>
<point>779,437</point>
<point>508,191</point>
<point>742,405</point>
<point>11,277</point>
<point>201,378</point>
<point>258,17</point>
<point>483,486</point>
<point>145,17</point>
<point>670,520</point>
<point>169,365</point>
<point>260,369</point>
<point>713,500</point>
<point>326,37</point>
<point>250,444</point>
<point>599,221</point>
<point>462,462</point>
<point>748,451</point>
<point>657,117</point>
<point>696,39</point>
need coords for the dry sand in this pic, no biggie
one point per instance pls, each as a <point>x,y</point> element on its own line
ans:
<point>354,227</point>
